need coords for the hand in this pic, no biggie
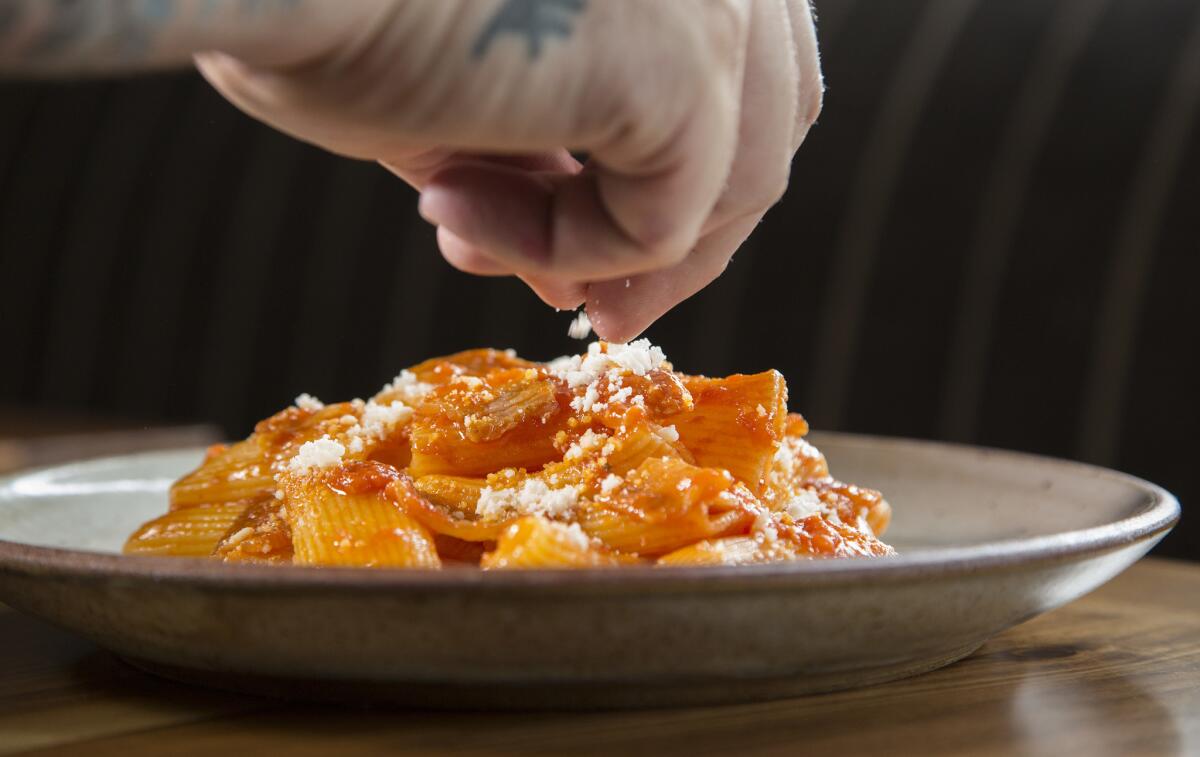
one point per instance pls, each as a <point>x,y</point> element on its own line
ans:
<point>689,110</point>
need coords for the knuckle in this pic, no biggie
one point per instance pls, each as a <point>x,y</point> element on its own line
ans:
<point>667,254</point>
<point>661,97</point>
<point>812,99</point>
<point>773,187</point>
<point>756,198</point>
<point>727,24</point>
<point>654,248</point>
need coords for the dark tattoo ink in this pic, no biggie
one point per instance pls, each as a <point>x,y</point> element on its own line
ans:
<point>108,31</point>
<point>69,21</point>
<point>532,19</point>
<point>98,29</point>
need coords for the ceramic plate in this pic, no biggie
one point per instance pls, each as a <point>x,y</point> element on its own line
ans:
<point>987,539</point>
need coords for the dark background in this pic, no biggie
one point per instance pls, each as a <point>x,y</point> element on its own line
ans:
<point>991,236</point>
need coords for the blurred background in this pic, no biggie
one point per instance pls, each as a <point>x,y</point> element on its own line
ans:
<point>991,237</point>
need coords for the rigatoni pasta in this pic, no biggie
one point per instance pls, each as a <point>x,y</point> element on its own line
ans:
<point>605,459</point>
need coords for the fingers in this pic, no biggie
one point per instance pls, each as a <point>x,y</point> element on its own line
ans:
<point>417,166</point>
<point>759,174</point>
<point>689,111</point>
<point>808,62</point>
<point>771,94</point>
<point>600,223</point>
<point>657,166</point>
<point>468,258</point>
<point>516,217</point>
<point>621,309</point>
<point>563,295</point>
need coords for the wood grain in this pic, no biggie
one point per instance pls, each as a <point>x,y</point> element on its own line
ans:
<point>1117,672</point>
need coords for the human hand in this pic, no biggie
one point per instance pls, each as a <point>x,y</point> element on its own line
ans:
<point>690,112</point>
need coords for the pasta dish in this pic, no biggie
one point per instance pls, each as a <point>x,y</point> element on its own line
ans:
<point>608,458</point>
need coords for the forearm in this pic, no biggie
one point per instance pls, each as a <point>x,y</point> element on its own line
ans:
<point>48,37</point>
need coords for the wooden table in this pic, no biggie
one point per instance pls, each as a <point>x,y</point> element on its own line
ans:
<point>1117,672</point>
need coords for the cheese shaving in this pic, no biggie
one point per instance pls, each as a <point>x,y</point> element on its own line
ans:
<point>765,527</point>
<point>803,505</point>
<point>589,441</point>
<point>637,358</point>
<point>308,402</point>
<point>606,361</point>
<point>532,498</point>
<point>377,422</point>
<point>792,450</point>
<point>239,536</point>
<point>319,453</point>
<point>575,536</point>
<point>581,327</point>
<point>411,390</point>
<point>587,402</point>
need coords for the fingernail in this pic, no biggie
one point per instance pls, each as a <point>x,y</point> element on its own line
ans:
<point>434,205</point>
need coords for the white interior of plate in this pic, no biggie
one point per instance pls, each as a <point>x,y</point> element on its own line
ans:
<point>942,496</point>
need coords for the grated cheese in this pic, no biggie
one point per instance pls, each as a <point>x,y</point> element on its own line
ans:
<point>637,357</point>
<point>306,401</point>
<point>575,536</point>
<point>408,387</point>
<point>239,536</point>
<point>668,433</point>
<point>580,327</point>
<point>765,527</point>
<point>590,440</point>
<point>532,498</point>
<point>610,482</point>
<point>803,504</point>
<point>803,448</point>
<point>606,361</point>
<point>586,402</point>
<point>787,458</point>
<point>377,422</point>
<point>319,453</point>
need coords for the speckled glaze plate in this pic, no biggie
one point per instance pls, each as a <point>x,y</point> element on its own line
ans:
<point>988,539</point>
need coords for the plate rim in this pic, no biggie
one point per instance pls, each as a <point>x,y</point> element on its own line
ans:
<point>1157,517</point>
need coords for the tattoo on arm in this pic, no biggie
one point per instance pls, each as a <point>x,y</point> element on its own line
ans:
<point>98,33</point>
<point>533,20</point>
<point>72,23</point>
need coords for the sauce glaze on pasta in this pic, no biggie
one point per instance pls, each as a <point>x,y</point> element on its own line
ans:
<point>610,458</point>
